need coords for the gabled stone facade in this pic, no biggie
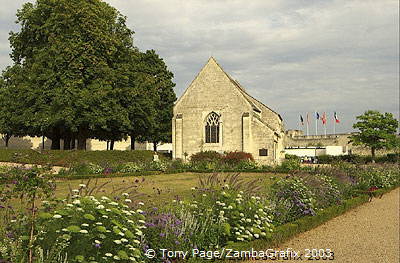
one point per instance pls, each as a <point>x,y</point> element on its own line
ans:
<point>236,121</point>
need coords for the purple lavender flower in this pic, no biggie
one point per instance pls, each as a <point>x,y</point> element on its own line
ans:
<point>97,245</point>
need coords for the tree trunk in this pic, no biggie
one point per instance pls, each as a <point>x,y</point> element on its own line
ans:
<point>155,146</point>
<point>73,143</point>
<point>108,145</point>
<point>373,154</point>
<point>82,136</point>
<point>67,142</point>
<point>132,143</point>
<point>55,139</point>
<point>112,145</point>
<point>7,139</point>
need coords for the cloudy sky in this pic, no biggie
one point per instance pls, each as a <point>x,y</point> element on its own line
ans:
<point>296,56</point>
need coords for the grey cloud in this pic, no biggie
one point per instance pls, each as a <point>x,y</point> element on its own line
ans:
<point>295,56</point>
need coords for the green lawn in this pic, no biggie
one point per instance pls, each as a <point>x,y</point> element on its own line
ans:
<point>154,189</point>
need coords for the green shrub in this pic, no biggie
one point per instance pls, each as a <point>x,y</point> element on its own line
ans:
<point>206,156</point>
<point>74,157</point>
<point>91,230</point>
<point>292,199</point>
<point>130,167</point>
<point>289,166</point>
<point>324,189</point>
<point>384,177</point>
<point>236,157</point>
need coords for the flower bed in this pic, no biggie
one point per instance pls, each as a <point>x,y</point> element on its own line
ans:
<point>222,212</point>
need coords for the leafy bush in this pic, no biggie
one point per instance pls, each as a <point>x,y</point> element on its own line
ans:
<point>206,156</point>
<point>157,166</point>
<point>324,189</point>
<point>247,165</point>
<point>377,177</point>
<point>130,167</point>
<point>292,199</point>
<point>29,185</point>
<point>75,157</point>
<point>91,230</point>
<point>243,217</point>
<point>234,158</point>
<point>289,165</point>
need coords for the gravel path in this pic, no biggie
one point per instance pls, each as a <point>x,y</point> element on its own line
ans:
<point>369,233</point>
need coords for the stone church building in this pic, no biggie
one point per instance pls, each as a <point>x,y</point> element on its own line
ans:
<point>216,113</point>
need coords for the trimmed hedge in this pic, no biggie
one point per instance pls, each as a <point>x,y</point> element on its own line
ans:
<point>73,157</point>
<point>359,159</point>
<point>87,176</point>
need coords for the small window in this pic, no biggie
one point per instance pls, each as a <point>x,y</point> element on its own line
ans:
<point>212,128</point>
<point>263,152</point>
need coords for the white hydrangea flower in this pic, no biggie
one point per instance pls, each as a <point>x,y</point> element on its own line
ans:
<point>76,202</point>
<point>117,241</point>
<point>128,200</point>
<point>85,225</point>
<point>82,185</point>
<point>100,207</point>
<point>125,194</point>
<point>97,241</point>
<point>108,254</point>
<point>84,231</point>
<point>140,203</point>
<point>57,216</point>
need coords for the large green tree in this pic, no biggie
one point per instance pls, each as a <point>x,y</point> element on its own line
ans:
<point>73,55</point>
<point>163,100</point>
<point>376,131</point>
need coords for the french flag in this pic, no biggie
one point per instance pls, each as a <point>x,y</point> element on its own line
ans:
<point>336,118</point>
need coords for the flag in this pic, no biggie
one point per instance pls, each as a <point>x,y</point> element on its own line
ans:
<point>308,119</point>
<point>323,119</point>
<point>301,120</point>
<point>336,118</point>
<point>317,115</point>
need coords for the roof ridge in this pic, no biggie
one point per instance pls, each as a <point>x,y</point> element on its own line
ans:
<point>236,83</point>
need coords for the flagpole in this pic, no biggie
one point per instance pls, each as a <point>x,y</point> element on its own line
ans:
<point>334,123</point>
<point>307,127</point>
<point>316,123</point>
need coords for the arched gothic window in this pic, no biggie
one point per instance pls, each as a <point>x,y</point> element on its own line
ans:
<point>212,128</point>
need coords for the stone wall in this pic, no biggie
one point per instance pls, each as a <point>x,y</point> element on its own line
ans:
<point>297,139</point>
<point>241,127</point>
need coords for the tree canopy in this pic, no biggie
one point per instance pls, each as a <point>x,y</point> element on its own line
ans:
<point>77,75</point>
<point>376,131</point>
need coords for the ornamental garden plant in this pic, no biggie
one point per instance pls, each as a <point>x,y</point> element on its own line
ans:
<point>221,211</point>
